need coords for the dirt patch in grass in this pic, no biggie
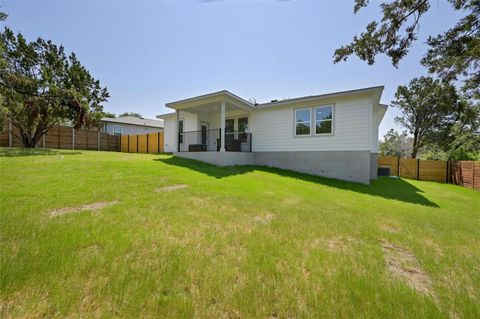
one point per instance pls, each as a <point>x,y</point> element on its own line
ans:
<point>340,244</point>
<point>264,219</point>
<point>403,264</point>
<point>93,206</point>
<point>336,244</point>
<point>170,188</point>
<point>389,228</point>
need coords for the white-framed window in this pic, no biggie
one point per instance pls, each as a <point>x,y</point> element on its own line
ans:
<point>303,119</point>
<point>117,130</point>
<point>324,119</point>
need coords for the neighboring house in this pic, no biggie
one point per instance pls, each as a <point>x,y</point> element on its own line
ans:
<point>127,125</point>
<point>333,135</point>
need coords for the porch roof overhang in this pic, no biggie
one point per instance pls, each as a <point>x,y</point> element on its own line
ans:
<point>210,103</point>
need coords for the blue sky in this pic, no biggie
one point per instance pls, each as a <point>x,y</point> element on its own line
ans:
<point>150,53</point>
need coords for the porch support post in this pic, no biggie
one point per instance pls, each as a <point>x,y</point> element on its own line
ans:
<point>222,126</point>
<point>176,130</point>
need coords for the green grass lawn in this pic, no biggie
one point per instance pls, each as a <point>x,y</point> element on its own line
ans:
<point>237,242</point>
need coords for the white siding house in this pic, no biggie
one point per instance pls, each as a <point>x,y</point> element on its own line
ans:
<point>333,135</point>
<point>274,127</point>
<point>127,125</point>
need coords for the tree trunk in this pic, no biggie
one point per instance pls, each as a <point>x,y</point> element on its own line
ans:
<point>31,136</point>
<point>415,145</point>
<point>30,141</point>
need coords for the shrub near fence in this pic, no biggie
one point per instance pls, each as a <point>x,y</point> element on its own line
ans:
<point>464,173</point>
<point>142,143</point>
<point>64,137</point>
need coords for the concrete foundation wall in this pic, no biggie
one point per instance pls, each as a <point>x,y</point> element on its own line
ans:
<point>373,166</point>
<point>353,166</point>
<point>220,158</point>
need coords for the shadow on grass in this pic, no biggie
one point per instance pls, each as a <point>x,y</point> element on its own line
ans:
<point>21,152</point>
<point>385,187</point>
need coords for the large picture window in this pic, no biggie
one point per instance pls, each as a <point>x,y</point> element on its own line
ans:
<point>323,120</point>
<point>302,122</point>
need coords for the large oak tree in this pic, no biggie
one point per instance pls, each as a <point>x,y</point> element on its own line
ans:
<point>42,87</point>
<point>430,109</point>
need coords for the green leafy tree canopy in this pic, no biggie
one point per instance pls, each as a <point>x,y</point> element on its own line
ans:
<point>41,87</point>
<point>109,115</point>
<point>451,55</point>
<point>395,144</point>
<point>429,109</point>
<point>134,114</point>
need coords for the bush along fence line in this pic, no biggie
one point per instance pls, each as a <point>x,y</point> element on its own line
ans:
<point>142,143</point>
<point>464,173</point>
<point>64,137</point>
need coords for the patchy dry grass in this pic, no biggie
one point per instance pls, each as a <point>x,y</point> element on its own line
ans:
<point>170,188</point>
<point>404,265</point>
<point>91,207</point>
<point>238,242</point>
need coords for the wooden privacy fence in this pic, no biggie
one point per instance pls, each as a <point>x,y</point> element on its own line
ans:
<point>65,137</point>
<point>142,143</point>
<point>464,173</point>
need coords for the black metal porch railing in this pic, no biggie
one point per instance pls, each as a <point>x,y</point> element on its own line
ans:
<point>209,141</point>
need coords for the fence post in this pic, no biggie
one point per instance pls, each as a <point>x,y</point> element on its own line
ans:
<point>473,175</point>
<point>418,169</point>
<point>147,143</point>
<point>10,137</point>
<point>158,142</point>
<point>398,166</point>
<point>447,171</point>
<point>43,140</point>
<point>73,138</point>
<point>137,143</point>
<point>98,140</point>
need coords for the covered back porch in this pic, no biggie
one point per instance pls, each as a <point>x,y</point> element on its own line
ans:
<point>217,122</point>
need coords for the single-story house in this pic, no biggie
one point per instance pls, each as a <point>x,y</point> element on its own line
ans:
<point>333,135</point>
<point>127,125</point>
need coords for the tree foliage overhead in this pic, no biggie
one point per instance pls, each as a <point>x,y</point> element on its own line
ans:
<point>42,86</point>
<point>457,51</point>
<point>430,110</point>
<point>109,115</point>
<point>392,36</point>
<point>453,54</point>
